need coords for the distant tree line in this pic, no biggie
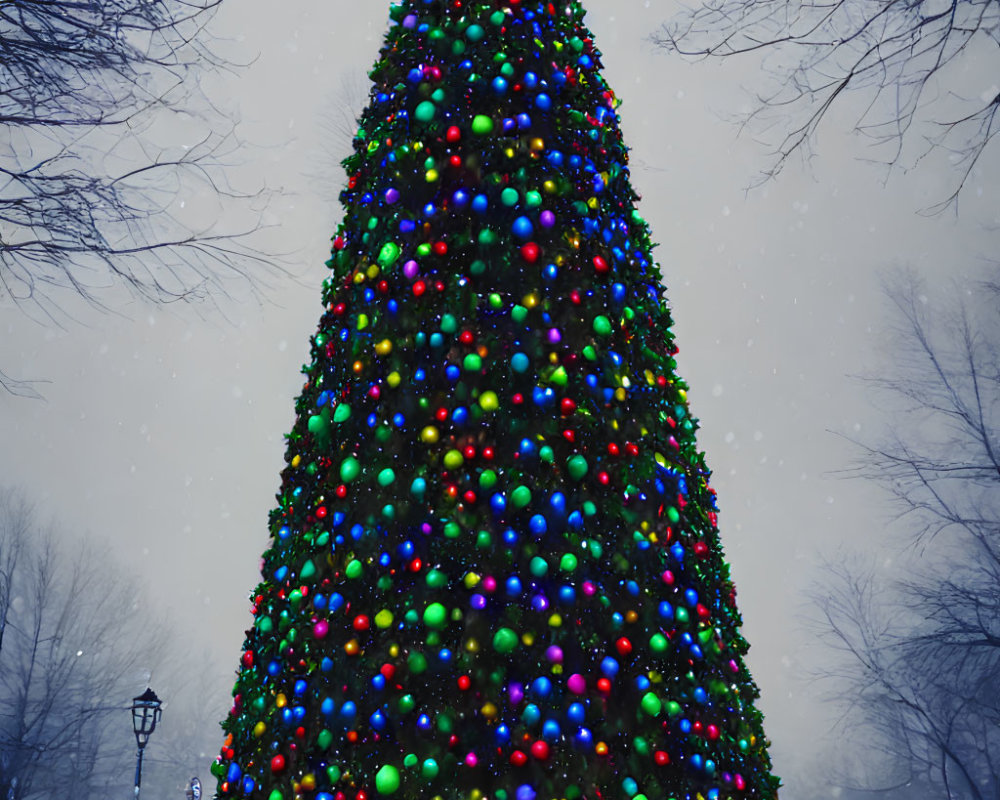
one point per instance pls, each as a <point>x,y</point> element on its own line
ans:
<point>917,670</point>
<point>79,640</point>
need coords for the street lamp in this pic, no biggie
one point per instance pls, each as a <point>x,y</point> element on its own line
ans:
<point>145,714</point>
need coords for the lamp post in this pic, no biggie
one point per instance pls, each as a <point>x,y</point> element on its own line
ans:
<point>145,714</point>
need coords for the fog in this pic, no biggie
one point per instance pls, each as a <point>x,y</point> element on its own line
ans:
<point>161,428</point>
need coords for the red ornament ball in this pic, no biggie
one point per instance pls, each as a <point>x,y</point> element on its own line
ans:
<point>540,750</point>
<point>361,623</point>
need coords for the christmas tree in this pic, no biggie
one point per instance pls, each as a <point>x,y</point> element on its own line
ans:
<point>495,570</point>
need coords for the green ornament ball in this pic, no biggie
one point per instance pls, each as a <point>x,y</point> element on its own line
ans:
<point>387,780</point>
<point>602,325</point>
<point>386,477</point>
<point>429,769</point>
<point>509,197</point>
<point>488,479</point>
<point>521,496</point>
<point>425,112</point>
<point>435,616</point>
<point>651,704</point>
<point>417,663</point>
<point>505,641</point>
<point>436,579</point>
<point>350,468</point>
<point>482,125</point>
<point>390,252</point>
<point>577,467</point>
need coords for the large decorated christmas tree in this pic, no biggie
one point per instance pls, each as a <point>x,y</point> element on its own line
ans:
<point>495,571</point>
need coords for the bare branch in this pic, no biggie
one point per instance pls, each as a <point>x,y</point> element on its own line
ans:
<point>108,136</point>
<point>894,54</point>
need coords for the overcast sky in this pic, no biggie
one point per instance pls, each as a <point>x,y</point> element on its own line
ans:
<point>162,429</point>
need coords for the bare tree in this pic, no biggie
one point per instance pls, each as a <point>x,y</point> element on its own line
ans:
<point>907,62</point>
<point>919,646</point>
<point>76,642</point>
<point>79,641</point>
<point>107,137</point>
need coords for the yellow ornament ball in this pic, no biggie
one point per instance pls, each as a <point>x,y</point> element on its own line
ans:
<point>489,401</point>
<point>429,435</point>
